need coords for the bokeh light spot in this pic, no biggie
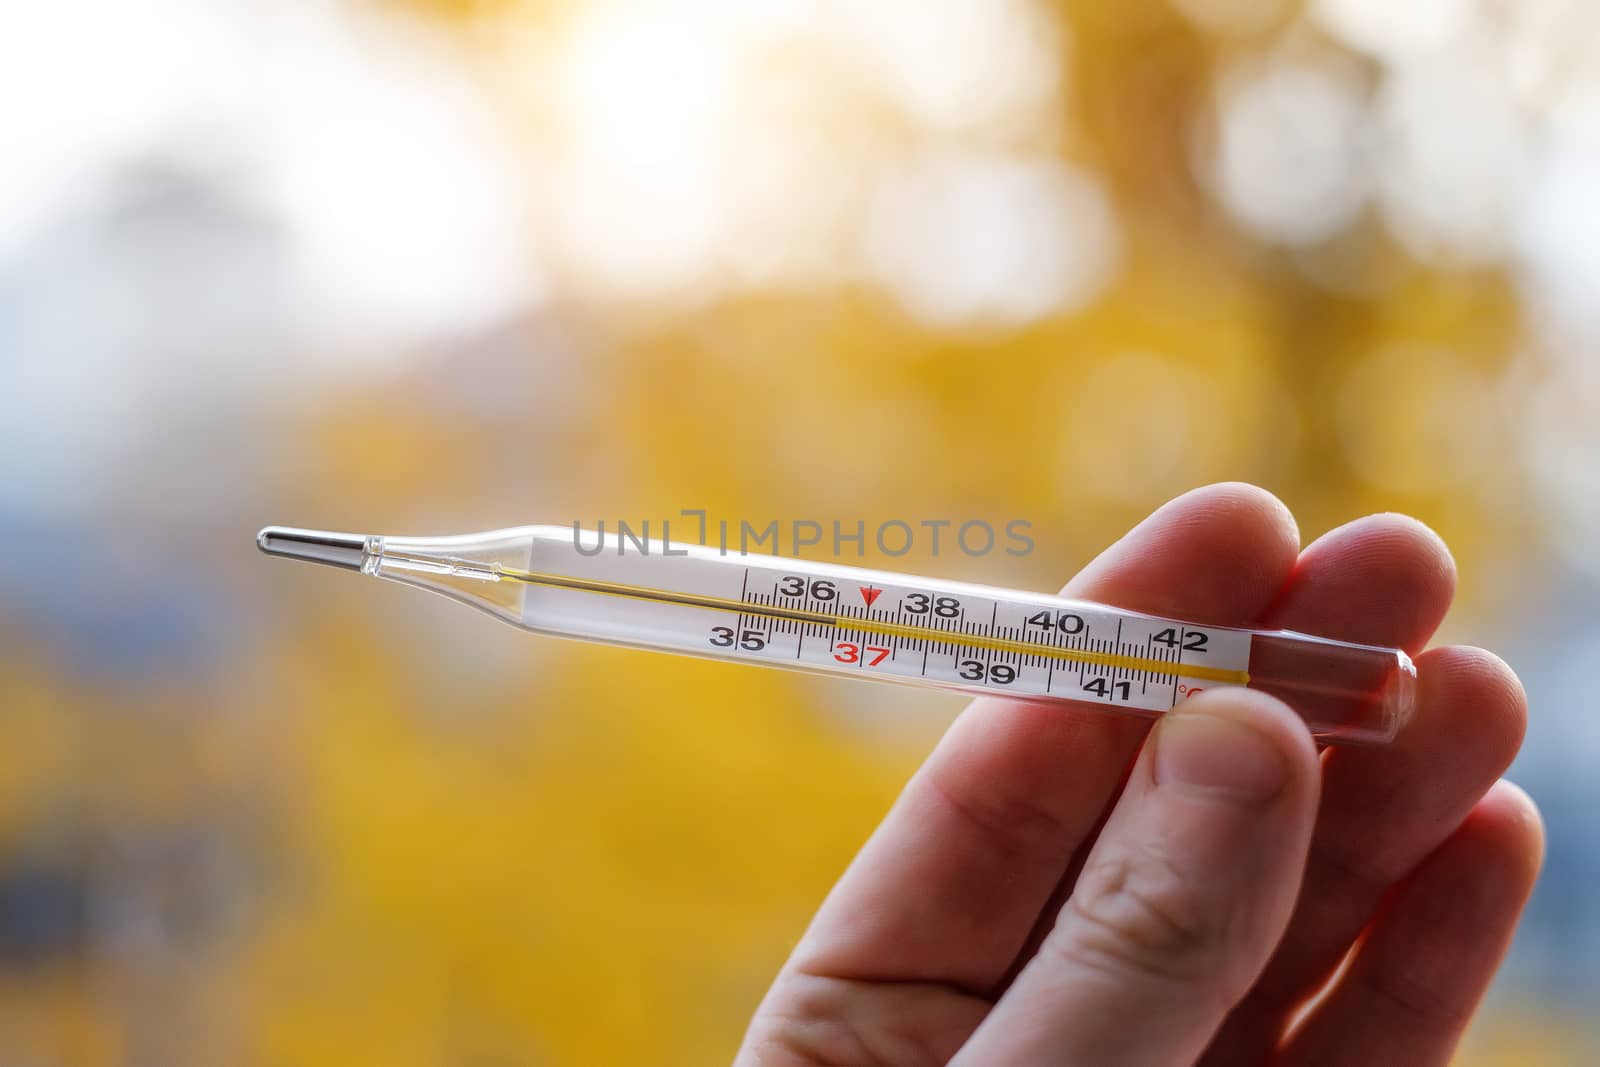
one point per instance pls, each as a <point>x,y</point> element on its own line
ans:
<point>1290,159</point>
<point>970,238</point>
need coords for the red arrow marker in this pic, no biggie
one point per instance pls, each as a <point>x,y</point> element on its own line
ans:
<point>869,594</point>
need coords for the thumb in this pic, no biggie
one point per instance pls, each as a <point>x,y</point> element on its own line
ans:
<point>1181,900</point>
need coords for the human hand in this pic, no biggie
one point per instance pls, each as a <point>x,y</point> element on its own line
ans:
<point>1030,899</point>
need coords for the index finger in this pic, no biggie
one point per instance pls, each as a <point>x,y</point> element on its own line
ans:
<point>952,882</point>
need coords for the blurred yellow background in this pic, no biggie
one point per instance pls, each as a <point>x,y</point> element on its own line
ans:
<point>423,268</point>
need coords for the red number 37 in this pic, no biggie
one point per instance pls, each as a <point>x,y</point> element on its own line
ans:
<point>846,652</point>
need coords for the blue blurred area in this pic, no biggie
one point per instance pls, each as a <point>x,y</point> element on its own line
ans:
<point>116,614</point>
<point>41,914</point>
<point>1558,951</point>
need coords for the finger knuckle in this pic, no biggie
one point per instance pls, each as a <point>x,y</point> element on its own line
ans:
<point>816,1020</point>
<point>1134,913</point>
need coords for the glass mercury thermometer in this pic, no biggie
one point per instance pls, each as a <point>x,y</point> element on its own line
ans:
<point>874,624</point>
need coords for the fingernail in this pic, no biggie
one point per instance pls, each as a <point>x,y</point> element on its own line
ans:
<point>1220,754</point>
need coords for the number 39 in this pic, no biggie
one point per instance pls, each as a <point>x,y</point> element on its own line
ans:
<point>997,673</point>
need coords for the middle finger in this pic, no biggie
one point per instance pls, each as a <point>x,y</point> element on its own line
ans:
<point>1380,580</point>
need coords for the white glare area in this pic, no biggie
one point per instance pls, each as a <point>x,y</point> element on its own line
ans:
<point>1450,158</point>
<point>363,145</point>
<point>643,94</point>
<point>208,209</point>
<point>1415,418</point>
<point>698,149</point>
<point>1558,226</point>
<point>72,102</point>
<point>1291,154</point>
<point>1391,29</point>
<point>798,185</point>
<point>1548,44</point>
<point>960,65</point>
<point>383,161</point>
<point>991,240</point>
